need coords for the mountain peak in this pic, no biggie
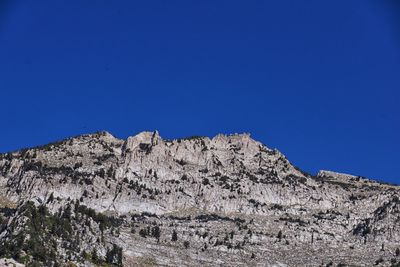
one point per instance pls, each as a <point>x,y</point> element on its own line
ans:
<point>145,137</point>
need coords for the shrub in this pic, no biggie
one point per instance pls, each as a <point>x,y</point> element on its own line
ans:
<point>143,233</point>
<point>205,181</point>
<point>114,256</point>
<point>156,232</point>
<point>174,236</point>
<point>279,234</point>
<point>186,244</point>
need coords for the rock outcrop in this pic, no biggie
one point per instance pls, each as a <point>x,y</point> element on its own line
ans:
<point>230,201</point>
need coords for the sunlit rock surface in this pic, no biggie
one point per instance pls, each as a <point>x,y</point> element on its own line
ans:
<point>225,201</point>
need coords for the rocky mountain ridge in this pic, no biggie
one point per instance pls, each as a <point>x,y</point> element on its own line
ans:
<point>229,201</point>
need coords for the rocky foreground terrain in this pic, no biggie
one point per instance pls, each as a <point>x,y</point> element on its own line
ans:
<point>95,200</point>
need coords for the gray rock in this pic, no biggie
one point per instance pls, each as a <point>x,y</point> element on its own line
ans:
<point>231,201</point>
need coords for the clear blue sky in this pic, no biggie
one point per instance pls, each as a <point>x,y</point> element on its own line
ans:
<point>319,80</point>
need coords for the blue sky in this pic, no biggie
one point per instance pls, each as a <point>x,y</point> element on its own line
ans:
<point>319,80</point>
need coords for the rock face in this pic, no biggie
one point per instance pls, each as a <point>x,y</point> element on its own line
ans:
<point>226,201</point>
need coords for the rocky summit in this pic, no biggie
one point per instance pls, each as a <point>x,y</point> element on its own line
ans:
<point>96,200</point>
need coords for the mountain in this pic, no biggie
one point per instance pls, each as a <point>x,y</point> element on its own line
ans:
<point>96,200</point>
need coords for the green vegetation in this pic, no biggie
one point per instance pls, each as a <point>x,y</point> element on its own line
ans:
<point>154,231</point>
<point>174,236</point>
<point>35,236</point>
<point>35,244</point>
<point>186,244</point>
<point>114,256</point>
<point>103,220</point>
<point>279,235</point>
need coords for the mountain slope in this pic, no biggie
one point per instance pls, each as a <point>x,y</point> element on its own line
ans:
<point>229,200</point>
